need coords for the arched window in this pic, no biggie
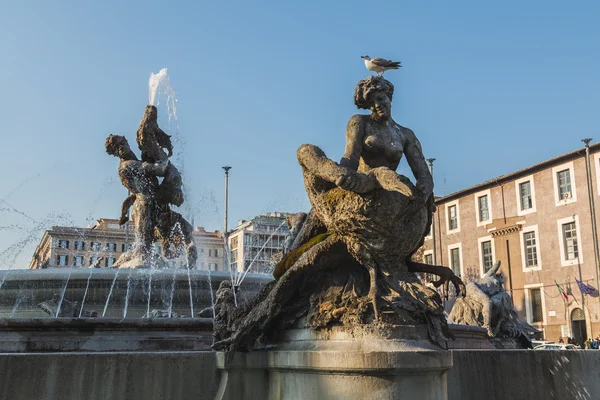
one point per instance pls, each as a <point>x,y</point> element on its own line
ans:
<point>577,315</point>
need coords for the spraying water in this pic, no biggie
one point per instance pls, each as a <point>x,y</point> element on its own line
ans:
<point>170,310</point>
<point>242,276</point>
<point>110,292</point>
<point>87,286</point>
<point>127,294</point>
<point>62,295</point>
<point>232,274</point>
<point>149,293</point>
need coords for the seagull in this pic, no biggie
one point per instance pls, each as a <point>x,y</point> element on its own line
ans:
<point>380,65</point>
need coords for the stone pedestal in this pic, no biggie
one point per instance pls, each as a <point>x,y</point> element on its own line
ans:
<point>338,364</point>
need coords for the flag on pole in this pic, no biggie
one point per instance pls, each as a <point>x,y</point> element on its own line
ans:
<point>562,292</point>
<point>587,289</point>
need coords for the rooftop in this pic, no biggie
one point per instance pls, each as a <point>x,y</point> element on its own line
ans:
<point>519,173</point>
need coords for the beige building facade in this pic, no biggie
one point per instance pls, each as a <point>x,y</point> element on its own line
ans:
<point>257,243</point>
<point>537,222</point>
<point>211,249</point>
<point>67,247</point>
<point>101,245</point>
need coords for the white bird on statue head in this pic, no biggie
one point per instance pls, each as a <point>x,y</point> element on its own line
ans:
<point>380,65</point>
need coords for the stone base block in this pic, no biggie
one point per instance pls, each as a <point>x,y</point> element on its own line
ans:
<point>287,375</point>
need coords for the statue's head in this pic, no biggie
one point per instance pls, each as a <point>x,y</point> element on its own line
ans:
<point>375,94</point>
<point>117,145</point>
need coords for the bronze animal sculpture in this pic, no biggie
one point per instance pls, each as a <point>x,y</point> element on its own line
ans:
<point>487,304</point>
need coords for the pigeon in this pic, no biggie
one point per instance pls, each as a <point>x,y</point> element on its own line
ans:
<point>380,65</point>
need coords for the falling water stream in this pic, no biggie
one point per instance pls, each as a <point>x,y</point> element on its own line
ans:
<point>170,310</point>
<point>62,294</point>
<point>110,292</point>
<point>87,286</point>
<point>149,292</point>
<point>127,294</point>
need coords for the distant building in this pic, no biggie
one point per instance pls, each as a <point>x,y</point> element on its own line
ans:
<point>256,243</point>
<point>66,247</point>
<point>537,222</point>
<point>102,244</point>
<point>210,245</point>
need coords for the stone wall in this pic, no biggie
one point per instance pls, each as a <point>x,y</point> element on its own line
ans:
<point>104,376</point>
<point>477,374</point>
<point>524,374</point>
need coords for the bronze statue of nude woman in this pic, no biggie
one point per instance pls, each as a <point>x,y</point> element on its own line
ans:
<point>350,262</point>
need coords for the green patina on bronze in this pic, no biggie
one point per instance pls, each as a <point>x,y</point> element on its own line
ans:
<point>290,258</point>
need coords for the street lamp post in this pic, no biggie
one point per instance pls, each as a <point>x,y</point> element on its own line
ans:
<point>226,198</point>
<point>592,207</point>
<point>430,161</point>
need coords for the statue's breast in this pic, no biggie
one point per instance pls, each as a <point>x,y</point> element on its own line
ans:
<point>385,150</point>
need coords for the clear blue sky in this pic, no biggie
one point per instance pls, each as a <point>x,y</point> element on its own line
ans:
<point>487,87</point>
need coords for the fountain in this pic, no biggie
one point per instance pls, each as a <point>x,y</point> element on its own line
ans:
<point>345,318</point>
<point>151,305</point>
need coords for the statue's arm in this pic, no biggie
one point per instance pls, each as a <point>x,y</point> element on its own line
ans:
<point>127,203</point>
<point>355,132</point>
<point>417,163</point>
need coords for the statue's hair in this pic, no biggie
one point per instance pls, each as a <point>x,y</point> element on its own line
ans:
<point>114,142</point>
<point>368,86</point>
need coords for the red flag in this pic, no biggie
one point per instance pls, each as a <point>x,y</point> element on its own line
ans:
<point>562,291</point>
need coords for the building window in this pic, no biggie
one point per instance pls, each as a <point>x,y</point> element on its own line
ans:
<point>125,247</point>
<point>78,261</point>
<point>526,201</point>
<point>428,259</point>
<point>569,231</point>
<point>93,259</point>
<point>535,304</point>
<point>563,179</point>
<point>79,245</point>
<point>216,252</point>
<point>111,246</point>
<point>63,244</point>
<point>487,257</point>
<point>108,263</point>
<point>455,260</point>
<point>565,189</point>
<point>95,246</point>
<point>531,257</point>
<point>212,266</point>
<point>452,218</point>
<point>484,210</point>
<point>62,260</point>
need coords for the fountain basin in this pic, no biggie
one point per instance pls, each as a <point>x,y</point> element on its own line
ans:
<point>122,299</point>
<point>104,334</point>
<point>116,293</point>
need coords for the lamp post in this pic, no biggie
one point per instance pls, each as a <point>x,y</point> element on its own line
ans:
<point>430,161</point>
<point>592,207</point>
<point>226,168</point>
